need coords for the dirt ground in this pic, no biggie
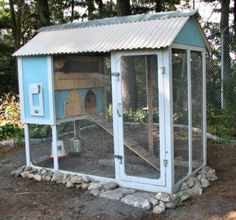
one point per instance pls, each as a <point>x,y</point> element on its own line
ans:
<point>25,199</point>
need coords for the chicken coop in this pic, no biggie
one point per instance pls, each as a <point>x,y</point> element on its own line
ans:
<point>121,99</point>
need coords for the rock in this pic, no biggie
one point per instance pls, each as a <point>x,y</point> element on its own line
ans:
<point>10,143</point>
<point>57,177</point>
<point>28,168</point>
<point>84,186</point>
<point>158,209</point>
<point>78,186</point>
<point>34,170</point>
<point>44,177</point>
<point>70,184</point>
<point>93,186</point>
<point>195,191</point>
<point>211,176</point>
<point>191,182</point>
<point>18,171</point>
<point>95,192</point>
<point>38,177</point>
<point>170,205</point>
<point>209,172</point>
<point>86,179</point>
<point>116,194</point>
<point>180,197</point>
<point>31,176</point>
<point>165,197</point>
<point>184,186</point>
<point>42,171</point>
<point>137,199</point>
<point>146,205</point>
<point>204,183</point>
<point>110,186</point>
<point>154,201</point>
<point>48,178</point>
<point>64,179</point>
<point>25,174</point>
<point>76,179</point>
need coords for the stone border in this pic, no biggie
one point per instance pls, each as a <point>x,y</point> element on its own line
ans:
<point>157,202</point>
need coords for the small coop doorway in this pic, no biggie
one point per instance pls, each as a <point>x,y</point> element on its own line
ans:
<point>140,115</point>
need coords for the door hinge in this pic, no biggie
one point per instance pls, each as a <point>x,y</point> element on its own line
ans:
<point>163,70</point>
<point>115,74</point>
<point>119,157</point>
<point>165,163</point>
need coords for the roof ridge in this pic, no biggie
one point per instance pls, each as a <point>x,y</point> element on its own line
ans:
<point>119,20</point>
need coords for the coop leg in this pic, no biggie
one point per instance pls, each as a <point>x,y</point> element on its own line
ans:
<point>27,145</point>
<point>54,147</point>
<point>76,129</point>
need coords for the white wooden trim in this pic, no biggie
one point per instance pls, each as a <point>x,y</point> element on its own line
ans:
<point>138,52</point>
<point>167,125</point>
<point>27,144</point>
<point>122,176</point>
<point>54,147</point>
<point>52,111</point>
<point>204,109</point>
<point>186,47</point>
<point>189,110</point>
<point>21,89</point>
<point>116,136</point>
<point>37,121</point>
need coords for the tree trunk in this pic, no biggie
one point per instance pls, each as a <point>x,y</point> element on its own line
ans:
<point>158,6</point>
<point>123,7</point>
<point>100,5</point>
<point>43,12</point>
<point>129,92</point>
<point>72,10</point>
<point>91,9</point>
<point>234,25</point>
<point>16,21</point>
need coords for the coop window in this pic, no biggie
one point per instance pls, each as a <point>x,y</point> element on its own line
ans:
<point>77,65</point>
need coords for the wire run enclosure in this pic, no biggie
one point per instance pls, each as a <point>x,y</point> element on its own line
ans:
<point>134,116</point>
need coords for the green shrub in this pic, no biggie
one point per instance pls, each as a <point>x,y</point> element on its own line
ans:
<point>10,131</point>
<point>222,123</point>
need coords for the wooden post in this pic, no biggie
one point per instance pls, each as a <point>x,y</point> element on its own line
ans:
<point>76,129</point>
<point>149,104</point>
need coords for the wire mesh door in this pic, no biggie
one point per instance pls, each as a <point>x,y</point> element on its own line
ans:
<point>140,118</point>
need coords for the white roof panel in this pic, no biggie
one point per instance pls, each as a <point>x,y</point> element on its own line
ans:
<point>147,34</point>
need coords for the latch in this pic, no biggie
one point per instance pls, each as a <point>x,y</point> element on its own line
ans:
<point>119,157</point>
<point>117,75</point>
<point>165,162</point>
<point>163,70</point>
<point>119,109</point>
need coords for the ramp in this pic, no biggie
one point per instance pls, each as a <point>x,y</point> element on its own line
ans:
<point>128,142</point>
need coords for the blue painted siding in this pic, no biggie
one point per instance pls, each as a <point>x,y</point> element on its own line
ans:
<point>190,35</point>
<point>35,70</point>
<point>62,95</point>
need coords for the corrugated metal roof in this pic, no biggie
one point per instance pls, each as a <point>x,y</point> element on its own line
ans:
<point>144,34</point>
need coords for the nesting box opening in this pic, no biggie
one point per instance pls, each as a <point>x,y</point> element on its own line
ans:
<point>90,102</point>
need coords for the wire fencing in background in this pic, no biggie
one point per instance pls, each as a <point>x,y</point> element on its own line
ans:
<point>221,77</point>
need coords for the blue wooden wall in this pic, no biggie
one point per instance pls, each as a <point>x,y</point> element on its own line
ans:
<point>62,95</point>
<point>35,71</point>
<point>190,35</point>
